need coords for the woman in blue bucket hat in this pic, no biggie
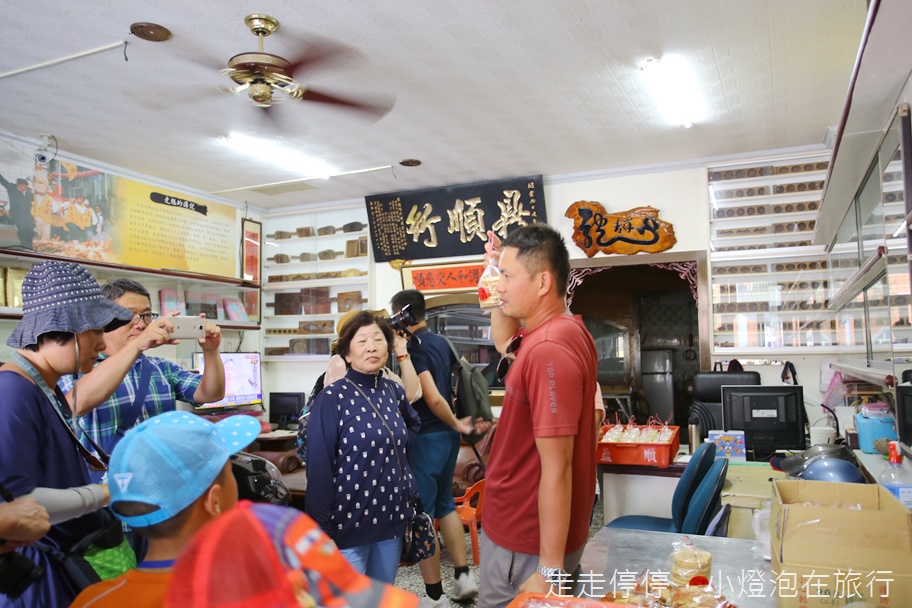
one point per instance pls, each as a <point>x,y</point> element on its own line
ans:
<point>61,332</point>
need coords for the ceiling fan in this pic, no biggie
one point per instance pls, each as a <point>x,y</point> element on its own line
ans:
<point>268,79</point>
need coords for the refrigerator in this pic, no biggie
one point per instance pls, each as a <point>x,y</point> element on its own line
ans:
<point>657,382</point>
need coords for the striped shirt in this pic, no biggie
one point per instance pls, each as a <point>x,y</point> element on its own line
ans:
<point>169,383</point>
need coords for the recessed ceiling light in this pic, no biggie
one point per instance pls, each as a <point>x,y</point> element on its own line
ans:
<point>150,31</point>
<point>410,162</point>
<point>675,89</point>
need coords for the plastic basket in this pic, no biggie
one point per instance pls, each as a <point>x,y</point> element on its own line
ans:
<point>646,454</point>
<point>536,600</point>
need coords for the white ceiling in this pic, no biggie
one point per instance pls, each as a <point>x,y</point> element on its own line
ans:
<point>483,89</point>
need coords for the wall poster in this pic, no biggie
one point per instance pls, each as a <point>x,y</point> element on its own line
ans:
<point>453,220</point>
<point>252,246</point>
<point>68,210</point>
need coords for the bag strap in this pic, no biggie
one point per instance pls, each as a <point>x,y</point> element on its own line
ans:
<point>97,463</point>
<point>139,398</point>
<point>458,359</point>
<point>452,348</point>
<point>392,438</point>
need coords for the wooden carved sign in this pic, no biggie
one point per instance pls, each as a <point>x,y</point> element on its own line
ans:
<point>628,232</point>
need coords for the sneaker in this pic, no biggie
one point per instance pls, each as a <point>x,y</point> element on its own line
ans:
<point>465,588</point>
<point>427,602</point>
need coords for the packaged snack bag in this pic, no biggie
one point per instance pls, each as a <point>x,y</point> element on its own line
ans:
<point>487,287</point>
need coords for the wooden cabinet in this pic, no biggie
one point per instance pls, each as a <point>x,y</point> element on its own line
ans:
<point>316,268</point>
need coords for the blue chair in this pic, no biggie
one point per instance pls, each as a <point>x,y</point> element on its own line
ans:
<point>700,463</point>
<point>705,500</point>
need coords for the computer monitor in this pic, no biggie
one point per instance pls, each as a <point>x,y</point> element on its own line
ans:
<point>243,381</point>
<point>772,417</point>
<point>285,408</point>
<point>904,413</point>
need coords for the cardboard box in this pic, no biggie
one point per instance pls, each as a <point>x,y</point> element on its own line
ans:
<point>838,543</point>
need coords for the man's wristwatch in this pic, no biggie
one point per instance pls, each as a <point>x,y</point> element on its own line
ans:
<point>554,576</point>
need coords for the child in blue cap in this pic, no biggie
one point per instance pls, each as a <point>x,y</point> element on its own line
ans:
<point>168,477</point>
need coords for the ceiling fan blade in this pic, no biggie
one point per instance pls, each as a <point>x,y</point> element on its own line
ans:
<point>319,51</point>
<point>377,107</point>
<point>187,51</point>
<point>268,113</point>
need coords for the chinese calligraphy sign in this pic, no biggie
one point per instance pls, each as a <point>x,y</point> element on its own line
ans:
<point>627,232</point>
<point>443,278</point>
<point>453,220</point>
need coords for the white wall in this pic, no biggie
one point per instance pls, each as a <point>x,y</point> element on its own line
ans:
<point>681,197</point>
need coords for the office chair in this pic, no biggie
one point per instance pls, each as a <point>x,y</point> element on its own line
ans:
<point>700,463</point>
<point>707,396</point>
<point>719,524</point>
<point>705,499</point>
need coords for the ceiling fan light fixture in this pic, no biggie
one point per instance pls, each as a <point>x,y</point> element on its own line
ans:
<point>260,93</point>
<point>410,162</point>
<point>675,90</point>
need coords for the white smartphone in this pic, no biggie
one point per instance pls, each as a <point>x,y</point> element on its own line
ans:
<point>186,328</point>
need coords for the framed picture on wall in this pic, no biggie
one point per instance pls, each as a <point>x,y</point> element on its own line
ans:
<point>461,277</point>
<point>252,246</point>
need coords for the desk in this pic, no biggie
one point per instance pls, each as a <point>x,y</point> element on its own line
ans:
<point>615,553</point>
<point>277,441</point>
<point>639,490</point>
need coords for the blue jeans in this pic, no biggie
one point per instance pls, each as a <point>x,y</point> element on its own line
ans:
<point>379,560</point>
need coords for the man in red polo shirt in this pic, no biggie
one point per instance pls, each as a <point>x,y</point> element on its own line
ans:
<point>540,479</point>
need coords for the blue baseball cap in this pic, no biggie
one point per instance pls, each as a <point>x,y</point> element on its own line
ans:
<point>170,460</point>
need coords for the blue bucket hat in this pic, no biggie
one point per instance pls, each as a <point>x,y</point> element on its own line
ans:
<point>171,459</point>
<point>63,296</point>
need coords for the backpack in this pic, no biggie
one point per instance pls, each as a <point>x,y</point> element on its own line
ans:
<point>470,392</point>
<point>301,443</point>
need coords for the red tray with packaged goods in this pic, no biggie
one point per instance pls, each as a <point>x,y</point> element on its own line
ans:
<point>537,600</point>
<point>646,454</point>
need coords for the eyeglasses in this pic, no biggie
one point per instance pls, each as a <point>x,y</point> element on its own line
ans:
<point>503,366</point>
<point>146,317</point>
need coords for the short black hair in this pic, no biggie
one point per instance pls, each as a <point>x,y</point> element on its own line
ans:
<point>542,248</point>
<point>60,337</point>
<point>362,319</point>
<point>118,287</point>
<point>412,298</point>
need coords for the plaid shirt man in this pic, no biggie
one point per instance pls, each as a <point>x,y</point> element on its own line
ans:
<point>169,383</point>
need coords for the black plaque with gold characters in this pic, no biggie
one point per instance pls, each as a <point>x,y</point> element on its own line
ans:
<point>452,220</point>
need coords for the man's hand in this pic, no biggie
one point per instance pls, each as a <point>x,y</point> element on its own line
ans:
<point>493,249</point>
<point>22,522</point>
<point>156,333</point>
<point>400,344</point>
<point>465,425</point>
<point>213,339</point>
<point>536,583</point>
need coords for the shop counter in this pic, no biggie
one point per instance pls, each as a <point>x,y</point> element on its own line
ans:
<point>614,556</point>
